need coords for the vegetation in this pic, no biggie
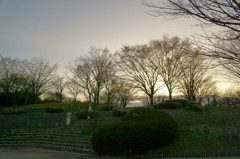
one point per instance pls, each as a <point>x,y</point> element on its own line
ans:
<point>58,105</point>
<point>168,105</point>
<point>105,107</point>
<point>54,110</point>
<point>215,131</point>
<point>142,129</point>
<point>179,103</point>
<point>13,110</point>
<point>84,114</point>
<point>118,112</point>
<point>194,106</point>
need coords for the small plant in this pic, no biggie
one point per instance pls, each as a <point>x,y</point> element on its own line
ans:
<point>139,114</point>
<point>54,110</point>
<point>182,102</point>
<point>12,110</point>
<point>168,105</point>
<point>194,106</point>
<point>118,112</point>
<point>84,114</point>
<point>105,107</point>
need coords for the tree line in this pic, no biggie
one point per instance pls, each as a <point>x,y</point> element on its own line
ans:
<point>109,78</point>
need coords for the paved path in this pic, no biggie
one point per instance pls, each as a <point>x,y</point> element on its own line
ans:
<point>34,153</point>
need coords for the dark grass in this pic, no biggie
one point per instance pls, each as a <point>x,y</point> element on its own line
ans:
<point>215,131</point>
<point>58,105</point>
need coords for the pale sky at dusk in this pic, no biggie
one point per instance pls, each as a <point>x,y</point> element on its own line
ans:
<point>62,30</point>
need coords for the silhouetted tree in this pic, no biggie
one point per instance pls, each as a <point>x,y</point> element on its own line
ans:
<point>40,74</point>
<point>136,63</point>
<point>170,53</point>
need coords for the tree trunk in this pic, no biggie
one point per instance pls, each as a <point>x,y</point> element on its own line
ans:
<point>151,99</point>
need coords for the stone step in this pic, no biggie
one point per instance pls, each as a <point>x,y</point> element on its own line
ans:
<point>52,134</point>
<point>53,147</point>
<point>75,141</point>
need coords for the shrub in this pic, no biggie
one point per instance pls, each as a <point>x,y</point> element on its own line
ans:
<point>84,114</point>
<point>105,107</point>
<point>138,114</point>
<point>119,112</point>
<point>133,137</point>
<point>12,110</point>
<point>168,105</point>
<point>194,106</point>
<point>183,102</point>
<point>54,110</point>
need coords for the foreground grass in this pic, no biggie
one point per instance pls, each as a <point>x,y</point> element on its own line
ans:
<point>215,131</point>
<point>58,105</point>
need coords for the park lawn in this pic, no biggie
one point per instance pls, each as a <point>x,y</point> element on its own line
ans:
<point>58,105</point>
<point>215,131</point>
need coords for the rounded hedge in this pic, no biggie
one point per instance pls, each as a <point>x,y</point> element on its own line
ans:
<point>138,114</point>
<point>84,114</point>
<point>194,106</point>
<point>54,110</point>
<point>12,110</point>
<point>168,105</point>
<point>118,112</point>
<point>105,107</point>
<point>133,136</point>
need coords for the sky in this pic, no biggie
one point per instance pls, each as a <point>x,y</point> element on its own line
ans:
<point>62,30</point>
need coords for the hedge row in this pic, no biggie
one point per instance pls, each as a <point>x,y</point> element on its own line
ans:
<point>142,129</point>
<point>179,103</point>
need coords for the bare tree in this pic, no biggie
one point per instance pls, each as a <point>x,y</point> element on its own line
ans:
<point>170,53</point>
<point>13,80</point>
<point>194,75</point>
<point>111,90</point>
<point>58,85</point>
<point>125,93</point>
<point>73,89</point>
<point>136,64</point>
<point>40,73</point>
<point>225,14</point>
<point>92,72</point>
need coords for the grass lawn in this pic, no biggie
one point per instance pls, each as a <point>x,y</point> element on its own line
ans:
<point>215,131</point>
<point>58,105</point>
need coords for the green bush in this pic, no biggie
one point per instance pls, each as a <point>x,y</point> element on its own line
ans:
<point>84,114</point>
<point>133,137</point>
<point>12,110</point>
<point>138,114</point>
<point>105,107</point>
<point>183,102</point>
<point>168,105</point>
<point>54,110</point>
<point>194,106</point>
<point>118,112</point>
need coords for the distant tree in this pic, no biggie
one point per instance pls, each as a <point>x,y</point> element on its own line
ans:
<point>40,74</point>
<point>73,89</point>
<point>58,85</point>
<point>13,80</point>
<point>194,77</point>
<point>170,52</point>
<point>126,92</point>
<point>92,72</point>
<point>136,64</point>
